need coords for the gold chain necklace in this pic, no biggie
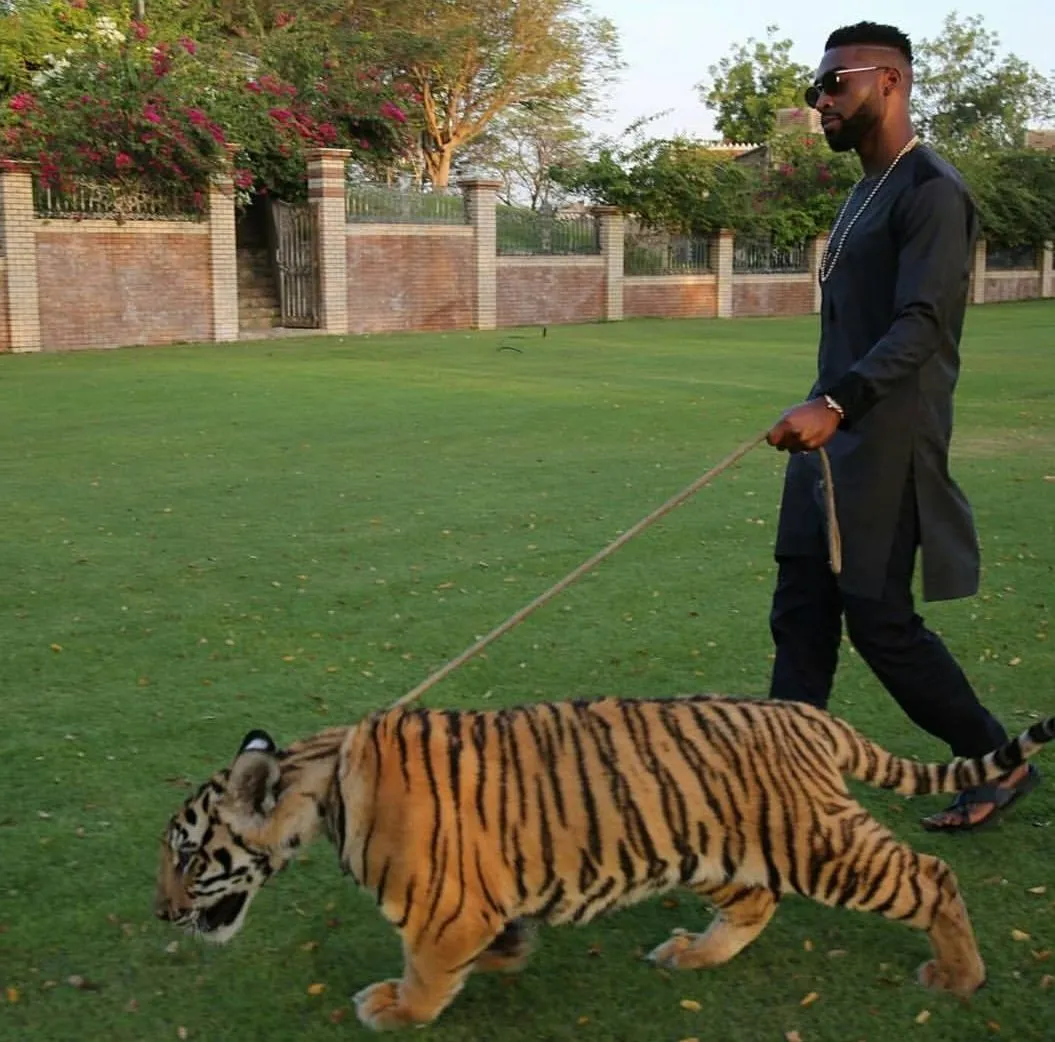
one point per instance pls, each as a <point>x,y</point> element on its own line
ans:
<point>826,267</point>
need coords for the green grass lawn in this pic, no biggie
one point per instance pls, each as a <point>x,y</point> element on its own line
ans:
<point>202,540</point>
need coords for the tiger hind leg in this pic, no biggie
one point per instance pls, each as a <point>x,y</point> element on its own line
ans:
<point>743,913</point>
<point>879,874</point>
<point>435,969</point>
<point>509,951</point>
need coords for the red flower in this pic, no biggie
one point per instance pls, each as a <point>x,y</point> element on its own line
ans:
<point>22,102</point>
<point>188,45</point>
<point>282,19</point>
<point>123,161</point>
<point>151,114</point>
<point>253,86</point>
<point>243,178</point>
<point>139,30</point>
<point>390,110</point>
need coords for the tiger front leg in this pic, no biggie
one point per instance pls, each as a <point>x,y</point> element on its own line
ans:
<point>434,971</point>
<point>743,912</point>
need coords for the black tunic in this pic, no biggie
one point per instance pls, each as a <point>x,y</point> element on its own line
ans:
<point>892,312</point>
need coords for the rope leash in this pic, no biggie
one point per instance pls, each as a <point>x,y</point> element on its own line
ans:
<point>834,546</point>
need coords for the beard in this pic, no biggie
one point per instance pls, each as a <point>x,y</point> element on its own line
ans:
<point>851,130</point>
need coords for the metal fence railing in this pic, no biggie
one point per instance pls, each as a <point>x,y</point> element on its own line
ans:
<point>762,257</point>
<point>1012,258</point>
<point>104,200</point>
<point>525,233</point>
<point>382,204</point>
<point>662,253</point>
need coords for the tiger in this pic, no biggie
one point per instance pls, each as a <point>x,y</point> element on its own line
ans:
<point>471,828</point>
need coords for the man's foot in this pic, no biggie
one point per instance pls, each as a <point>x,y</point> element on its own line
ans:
<point>974,808</point>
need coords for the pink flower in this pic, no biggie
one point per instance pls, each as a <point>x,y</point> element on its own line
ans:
<point>139,30</point>
<point>390,110</point>
<point>824,174</point>
<point>327,133</point>
<point>123,161</point>
<point>243,178</point>
<point>282,19</point>
<point>188,45</point>
<point>151,114</point>
<point>22,102</point>
<point>197,117</point>
<point>364,144</point>
<point>253,86</point>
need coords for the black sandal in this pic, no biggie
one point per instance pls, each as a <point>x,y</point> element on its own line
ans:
<point>1000,796</point>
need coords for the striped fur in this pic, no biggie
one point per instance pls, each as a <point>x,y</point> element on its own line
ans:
<point>468,825</point>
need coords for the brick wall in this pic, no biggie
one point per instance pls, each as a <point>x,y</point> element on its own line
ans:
<point>403,277</point>
<point>5,335</point>
<point>766,295</point>
<point>549,290</point>
<point>670,296</point>
<point>1002,286</point>
<point>104,284</point>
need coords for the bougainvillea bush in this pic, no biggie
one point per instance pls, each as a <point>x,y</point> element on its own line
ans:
<point>158,116</point>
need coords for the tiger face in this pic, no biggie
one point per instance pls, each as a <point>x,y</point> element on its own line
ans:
<point>216,853</point>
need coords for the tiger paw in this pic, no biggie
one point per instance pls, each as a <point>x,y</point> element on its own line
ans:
<point>934,975</point>
<point>378,1006</point>
<point>673,954</point>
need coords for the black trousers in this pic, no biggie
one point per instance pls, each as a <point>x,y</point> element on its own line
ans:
<point>909,660</point>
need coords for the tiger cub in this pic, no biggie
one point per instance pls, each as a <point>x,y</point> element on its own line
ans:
<point>468,825</point>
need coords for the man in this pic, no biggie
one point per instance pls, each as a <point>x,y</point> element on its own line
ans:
<point>894,291</point>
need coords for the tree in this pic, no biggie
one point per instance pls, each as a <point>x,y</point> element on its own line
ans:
<point>677,185</point>
<point>524,147</point>
<point>965,95</point>
<point>749,85</point>
<point>469,61</point>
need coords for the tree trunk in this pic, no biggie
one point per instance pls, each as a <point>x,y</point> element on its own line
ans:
<point>438,162</point>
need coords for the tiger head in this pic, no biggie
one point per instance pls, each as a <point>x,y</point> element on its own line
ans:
<point>220,848</point>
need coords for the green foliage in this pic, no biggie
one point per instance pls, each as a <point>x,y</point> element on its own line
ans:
<point>1015,193</point>
<point>966,95</point>
<point>129,105</point>
<point>749,85</point>
<point>803,187</point>
<point>674,184</point>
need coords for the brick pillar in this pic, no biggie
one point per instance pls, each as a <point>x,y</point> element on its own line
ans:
<point>610,219</point>
<point>817,248</point>
<point>724,267</point>
<point>978,273</point>
<point>223,257</point>
<point>327,195</point>
<point>1047,271</point>
<point>480,197</point>
<point>19,241</point>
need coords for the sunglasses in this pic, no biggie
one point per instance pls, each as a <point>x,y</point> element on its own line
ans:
<point>831,83</point>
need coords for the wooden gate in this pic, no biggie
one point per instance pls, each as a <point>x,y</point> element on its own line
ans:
<point>295,249</point>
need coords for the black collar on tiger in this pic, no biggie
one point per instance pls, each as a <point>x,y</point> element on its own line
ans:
<point>468,826</point>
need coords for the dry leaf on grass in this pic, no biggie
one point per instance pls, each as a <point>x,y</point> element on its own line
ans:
<point>807,945</point>
<point>837,953</point>
<point>582,1020</point>
<point>1046,982</point>
<point>792,1036</point>
<point>1037,890</point>
<point>81,983</point>
<point>181,1032</point>
<point>691,1005</point>
<point>132,1007</point>
<point>1043,955</point>
<point>172,948</point>
<point>309,946</point>
<point>994,1026</point>
<point>316,989</point>
<point>12,995</point>
<point>338,1015</point>
<point>1019,935</point>
<point>810,999</point>
<point>923,1016</point>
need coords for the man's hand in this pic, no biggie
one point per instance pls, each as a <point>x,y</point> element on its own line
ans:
<point>807,426</point>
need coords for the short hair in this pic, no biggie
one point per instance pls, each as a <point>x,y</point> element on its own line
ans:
<point>865,34</point>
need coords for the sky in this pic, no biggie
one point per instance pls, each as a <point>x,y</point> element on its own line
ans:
<point>668,45</point>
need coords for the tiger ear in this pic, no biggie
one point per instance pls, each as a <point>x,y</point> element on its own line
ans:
<point>252,788</point>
